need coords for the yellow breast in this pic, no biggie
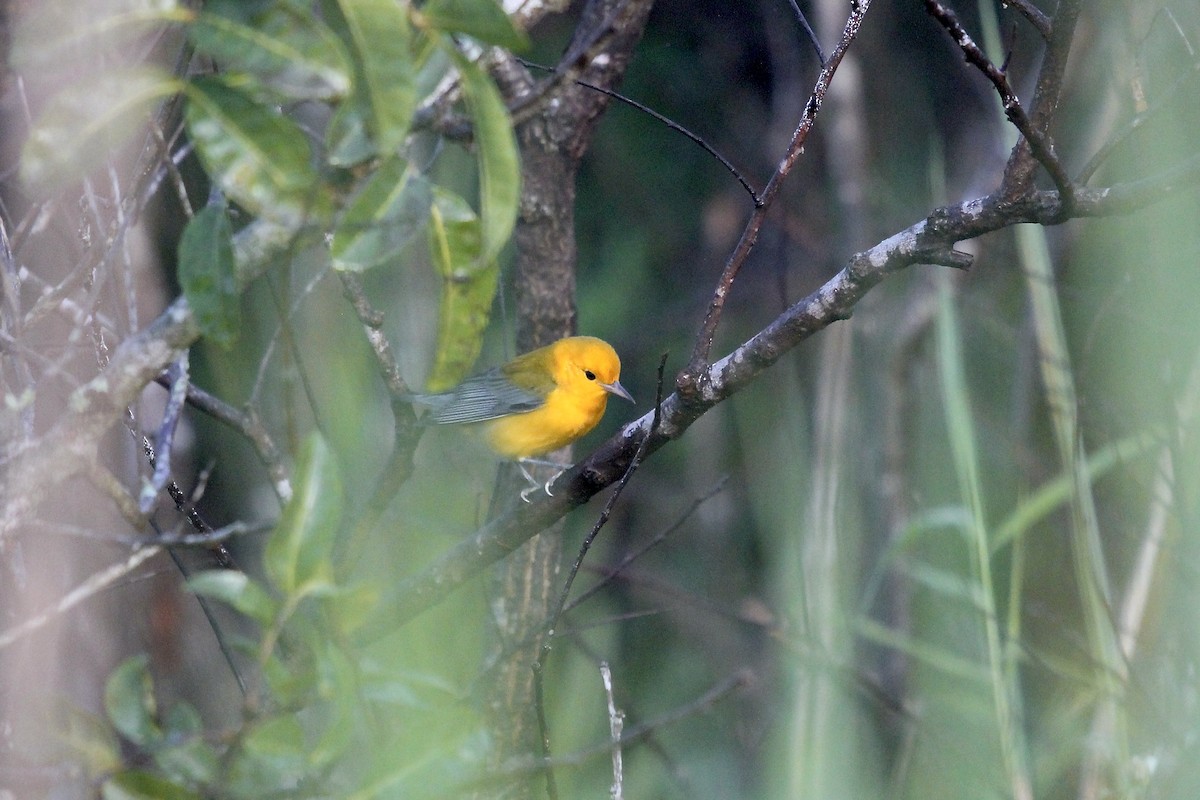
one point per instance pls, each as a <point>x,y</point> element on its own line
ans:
<point>565,417</point>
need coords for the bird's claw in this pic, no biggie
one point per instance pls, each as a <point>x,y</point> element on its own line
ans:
<point>533,485</point>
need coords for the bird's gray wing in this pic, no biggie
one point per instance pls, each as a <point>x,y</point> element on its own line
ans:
<point>480,398</point>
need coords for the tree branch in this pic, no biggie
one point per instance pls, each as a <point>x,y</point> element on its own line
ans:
<point>69,446</point>
<point>929,241</point>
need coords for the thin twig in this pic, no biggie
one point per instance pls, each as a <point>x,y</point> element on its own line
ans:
<point>170,167</point>
<point>606,512</point>
<point>90,587</point>
<point>249,425</point>
<point>548,639</point>
<point>165,539</point>
<point>690,383</point>
<point>103,479</point>
<point>670,123</point>
<point>632,735</point>
<point>372,322</point>
<point>528,765</point>
<point>206,608</point>
<point>436,115</point>
<point>186,507</point>
<point>1039,143</point>
<point>1023,163</point>
<point>616,723</point>
<point>610,574</point>
<point>1033,15</point>
<point>1170,15</point>
<point>68,447</point>
<point>406,429</point>
<point>812,37</point>
<point>164,438</point>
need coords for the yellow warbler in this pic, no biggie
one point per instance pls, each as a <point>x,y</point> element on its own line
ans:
<point>539,401</point>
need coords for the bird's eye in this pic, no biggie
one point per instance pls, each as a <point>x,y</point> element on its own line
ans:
<point>591,376</point>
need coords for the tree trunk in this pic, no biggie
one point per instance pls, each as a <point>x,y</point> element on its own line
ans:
<point>551,144</point>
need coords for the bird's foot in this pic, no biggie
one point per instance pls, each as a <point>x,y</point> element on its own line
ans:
<point>534,484</point>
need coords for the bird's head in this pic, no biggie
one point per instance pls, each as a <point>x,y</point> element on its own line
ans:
<point>588,365</point>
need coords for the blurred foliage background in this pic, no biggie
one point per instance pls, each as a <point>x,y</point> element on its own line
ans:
<point>944,548</point>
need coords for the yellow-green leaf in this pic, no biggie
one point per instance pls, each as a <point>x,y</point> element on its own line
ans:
<point>238,590</point>
<point>273,753</point>
<point>90,740</point>
<point>496,151</point>
<point>297,554</point>
<point>139,785</point>
<point>468,287</point>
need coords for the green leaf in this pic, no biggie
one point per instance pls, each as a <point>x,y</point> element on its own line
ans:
<point>129,702</point>
<point>272,755</point>
<point>496,150</point>
<point>934,655</point>
<point>138,785</point>
<point>264,242</point>
<point>949,584</point>
<point>297,554</point>
<point>351,607</point>
<point>1056,492</point>
<point>86,123</point>
<point>258,157</point>
<point>279,741</point>
<point>194,761</point>
<point>377,35</point>
<point>189,759</point>
<point>383,218</point>
<point>347,142</point>
<point>292,53</point>
<point>182,720</point>
<point>239,591</point>
<point>468,288</point>
<point>207,274</point>
<point>482,19</point>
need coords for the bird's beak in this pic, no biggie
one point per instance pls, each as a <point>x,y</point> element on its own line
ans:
<point>616,388</point>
